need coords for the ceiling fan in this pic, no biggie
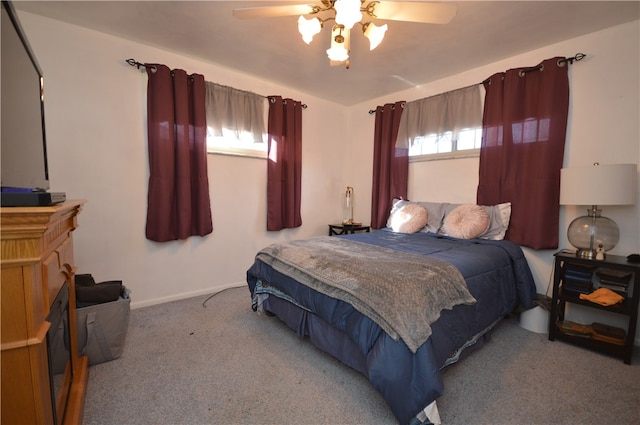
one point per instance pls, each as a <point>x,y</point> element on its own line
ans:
<point>343,15</point>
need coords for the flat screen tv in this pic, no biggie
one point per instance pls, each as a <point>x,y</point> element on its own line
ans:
<point>23,147</point>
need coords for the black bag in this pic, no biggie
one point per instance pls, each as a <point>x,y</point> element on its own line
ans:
<point>84,280</point>
<point>88,292</point>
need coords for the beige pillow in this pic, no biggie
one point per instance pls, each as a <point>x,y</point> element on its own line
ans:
<point>410,218</point>
<point>499,216</point>
<point>467,221</point>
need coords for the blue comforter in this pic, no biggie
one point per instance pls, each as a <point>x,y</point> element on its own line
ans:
<point>496,273</point>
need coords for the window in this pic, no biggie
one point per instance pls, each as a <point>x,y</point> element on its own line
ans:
<point>531,130</point>
<point>448,125</point>
<point>443,146</point>
<point>235,121</point>
<point>231,143</point>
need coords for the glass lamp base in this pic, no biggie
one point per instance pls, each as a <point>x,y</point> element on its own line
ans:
<point>589,232</point>
<point>588,254</point>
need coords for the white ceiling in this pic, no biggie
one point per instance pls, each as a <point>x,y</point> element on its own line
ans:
<point>411,53</point>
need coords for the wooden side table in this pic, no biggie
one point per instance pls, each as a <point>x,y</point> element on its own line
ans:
<point>562,295</point>
<point>347,229</point>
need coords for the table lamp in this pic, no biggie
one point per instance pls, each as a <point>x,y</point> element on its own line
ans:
<point>596,185</point>
<point>348,204</point>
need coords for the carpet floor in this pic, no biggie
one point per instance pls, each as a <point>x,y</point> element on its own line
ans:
<point>214,361</point>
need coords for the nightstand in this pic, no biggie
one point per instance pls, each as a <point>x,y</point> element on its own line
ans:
<point>566,289</point>
<point>346,229</point>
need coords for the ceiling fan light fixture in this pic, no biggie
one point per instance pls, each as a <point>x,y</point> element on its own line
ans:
<point>339,51</point>
<point>348,12</point>
<point>337,54</point>
<point>374,33</point>
<point>308,28</point>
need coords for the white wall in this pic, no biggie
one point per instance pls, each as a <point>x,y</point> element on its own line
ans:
<point>96,135</point>
<point>603,126</point>
<point>97,151</point>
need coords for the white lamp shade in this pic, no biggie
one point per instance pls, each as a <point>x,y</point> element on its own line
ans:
<point>347,12</point>
<point>339,52</point>
<point>375,34</point>
<point>308,28</point>
<point>613,184</point>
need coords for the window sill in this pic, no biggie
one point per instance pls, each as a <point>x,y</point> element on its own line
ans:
<point>245,153</point>
<point>472,153</point>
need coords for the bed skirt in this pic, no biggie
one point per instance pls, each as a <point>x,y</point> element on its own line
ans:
<point>339,345</point>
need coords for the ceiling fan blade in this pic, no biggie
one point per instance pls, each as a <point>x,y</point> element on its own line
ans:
<point>428,13</point>
<point>272,11</point>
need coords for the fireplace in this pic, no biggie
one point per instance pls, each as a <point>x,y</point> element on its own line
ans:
<point>59,354</point>
<point>37,266</point>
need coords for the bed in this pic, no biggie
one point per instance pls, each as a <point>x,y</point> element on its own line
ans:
<point>398,307</point>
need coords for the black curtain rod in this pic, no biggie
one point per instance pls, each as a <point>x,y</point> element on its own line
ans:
<point>139,65</point>
<point>561,62</point>
<point>373,111</point>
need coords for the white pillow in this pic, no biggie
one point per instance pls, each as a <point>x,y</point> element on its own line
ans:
<point>409,218</point>
<point>467,221</point>
<point>435,215</point>
<point>396,204</point>
<point>499,216</point>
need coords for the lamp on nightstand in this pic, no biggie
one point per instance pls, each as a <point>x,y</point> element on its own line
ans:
<point>348,205</point>
<point>596,185</point>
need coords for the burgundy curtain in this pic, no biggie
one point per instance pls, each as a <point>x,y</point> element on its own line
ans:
<point>178,196</point>
<point>284,165</point>
<point>390,164</point>
<point>523,138</point>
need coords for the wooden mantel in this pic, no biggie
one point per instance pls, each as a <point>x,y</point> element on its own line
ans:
<point>37,259</point>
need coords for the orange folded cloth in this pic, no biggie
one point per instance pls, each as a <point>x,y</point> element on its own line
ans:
<point>603,296</point>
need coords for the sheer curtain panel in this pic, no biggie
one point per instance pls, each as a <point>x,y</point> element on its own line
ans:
<point>178,203</point>
<point>236,110</point>
<point>450,111</point>
<point>523,139</point>
<point>284,164</point>
<point>390,164</point>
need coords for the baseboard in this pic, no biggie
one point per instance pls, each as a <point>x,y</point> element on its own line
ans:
<point>185,295</point>
<point>210,291</point>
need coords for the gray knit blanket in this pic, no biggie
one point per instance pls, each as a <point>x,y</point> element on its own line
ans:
<point>403,293</point>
